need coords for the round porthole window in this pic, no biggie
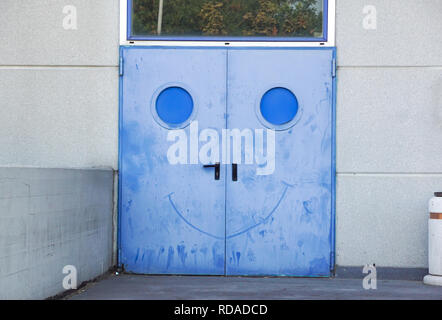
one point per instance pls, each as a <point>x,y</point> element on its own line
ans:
<point>279,108</point>
<point>174,107</point>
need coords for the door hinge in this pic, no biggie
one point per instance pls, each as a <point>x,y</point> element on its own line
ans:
<point>333,71</point>
<point>121,66</point>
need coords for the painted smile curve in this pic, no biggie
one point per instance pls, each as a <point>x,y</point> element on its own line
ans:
<point>236,234</point>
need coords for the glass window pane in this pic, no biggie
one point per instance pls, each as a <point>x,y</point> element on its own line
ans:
<point>223,19</point>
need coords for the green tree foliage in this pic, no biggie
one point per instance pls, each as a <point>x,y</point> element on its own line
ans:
<point>213,19</point>
<point>288,18</point>
<point>263,22</point>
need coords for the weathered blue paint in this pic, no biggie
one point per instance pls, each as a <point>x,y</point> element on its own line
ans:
<point>296,239</point>
<point>154,239</point>
<point>333,160</point>
<point>178,219</point>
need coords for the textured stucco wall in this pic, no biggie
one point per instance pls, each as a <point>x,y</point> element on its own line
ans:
<point>389,128</point>
<point>59,88</point>
<point>50,218</point>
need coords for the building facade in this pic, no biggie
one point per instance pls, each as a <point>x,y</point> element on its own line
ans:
<point>60,109</point>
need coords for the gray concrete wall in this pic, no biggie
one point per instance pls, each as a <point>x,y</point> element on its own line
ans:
<point>389,128</point>
<point>50,218</point>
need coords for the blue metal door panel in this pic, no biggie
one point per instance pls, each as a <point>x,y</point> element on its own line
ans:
<point>172,217</point>
<point>281,224</point>
<point>176,219</point>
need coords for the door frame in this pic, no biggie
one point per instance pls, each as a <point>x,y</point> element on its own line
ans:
<point>333,70</point>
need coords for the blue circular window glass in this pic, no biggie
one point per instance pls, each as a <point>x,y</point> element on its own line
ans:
<point>279,106</point>
<point>174,105</point>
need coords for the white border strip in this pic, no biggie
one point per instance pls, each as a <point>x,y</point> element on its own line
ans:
<point>330,35</point>
<point>123,22</point>
<point>331,23</point>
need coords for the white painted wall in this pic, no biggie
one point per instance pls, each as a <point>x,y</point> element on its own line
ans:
<point>59,88</point>
<point>389,128</point>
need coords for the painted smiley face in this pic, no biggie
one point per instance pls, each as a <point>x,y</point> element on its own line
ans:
<point>277,109</point>
<point>285,188</point>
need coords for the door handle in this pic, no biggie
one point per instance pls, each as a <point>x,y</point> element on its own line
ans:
<point>234,172</point>
<point>217,167</point>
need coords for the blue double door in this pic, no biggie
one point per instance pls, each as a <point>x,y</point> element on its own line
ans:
<point>189,202</point>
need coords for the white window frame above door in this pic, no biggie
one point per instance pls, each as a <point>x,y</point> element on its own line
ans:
<point>124,41</point>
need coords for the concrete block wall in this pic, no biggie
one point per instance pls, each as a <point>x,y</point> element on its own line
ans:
<point>50,218</point>
<point>389,128</point>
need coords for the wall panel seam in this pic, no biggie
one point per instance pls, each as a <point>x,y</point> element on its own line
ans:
<point>390,67</point>
<point>60,67</point>
<point>410,174</point>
